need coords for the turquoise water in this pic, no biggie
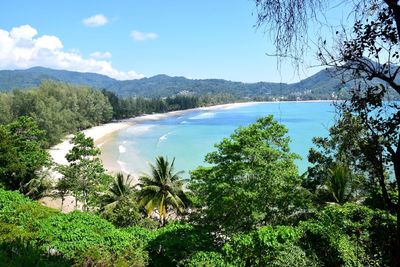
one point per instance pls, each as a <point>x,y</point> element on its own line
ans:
<point>190,136</point>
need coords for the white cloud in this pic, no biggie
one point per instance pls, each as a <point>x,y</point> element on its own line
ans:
<point>143,36</point>
<point>96,20</point>
<point>21,48</point>
<point>100,55</point>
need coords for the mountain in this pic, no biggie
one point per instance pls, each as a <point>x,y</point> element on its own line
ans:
<point>319,86</point>
<point>19,79</point>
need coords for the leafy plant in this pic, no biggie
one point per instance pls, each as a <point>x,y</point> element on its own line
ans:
<point>251,181</point>
<point>161,189</point>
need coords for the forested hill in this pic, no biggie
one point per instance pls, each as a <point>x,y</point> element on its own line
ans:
<point>318,86</point>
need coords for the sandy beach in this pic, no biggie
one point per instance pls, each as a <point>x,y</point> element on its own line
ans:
<point>101,133</point>
<point>59,151</point>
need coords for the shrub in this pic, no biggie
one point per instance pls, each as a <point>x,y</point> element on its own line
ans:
<point>205,259</point>
<point>350,235</point>
<point>75,233</point>
<point>176,242</point>
<point>265,246</point>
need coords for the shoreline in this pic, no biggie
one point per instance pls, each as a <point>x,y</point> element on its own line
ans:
<point>101,133</point>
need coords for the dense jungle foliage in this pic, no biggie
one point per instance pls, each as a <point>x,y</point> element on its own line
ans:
<point>250,207</point>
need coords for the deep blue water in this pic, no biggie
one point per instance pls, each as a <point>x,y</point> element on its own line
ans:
<point>190,136</point>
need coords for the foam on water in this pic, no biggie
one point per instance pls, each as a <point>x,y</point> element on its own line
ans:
<point>163,138</point>
<point>123,166</point>
<point>190,137</point>
<point>122,149</point>
<point>205,115</point>
<point>139,129</point>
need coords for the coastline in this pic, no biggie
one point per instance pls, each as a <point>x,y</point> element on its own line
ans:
<point>102,133</point>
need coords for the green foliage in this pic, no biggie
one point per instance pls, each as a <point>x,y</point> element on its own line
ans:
<point>161,189</point>
<point>120,206</point>
<point>266,246</point>
<point>20,217</point>
<point>23,253</point>
<point>344,144</point>
<point>364,167</point>
<point>134,106</point>
<point>78,235</point>
<point>144,234</point>
<point>124,213</point>
<point>27,215</point>
<point>57,108</point>
<point>176,242</point>
<point>341,185</point>
<point>8,198</point>
<point>205,259</point>
<point>318,86</point>
<point>22,153</point>
<point>121,189</point>
<point>85,175</point>
<point>252,180</point>
<point>30,231</point>
<point>348,235</point>
<point>351,235</point>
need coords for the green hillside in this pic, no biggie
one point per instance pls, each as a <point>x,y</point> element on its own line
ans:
<point>318,86</point>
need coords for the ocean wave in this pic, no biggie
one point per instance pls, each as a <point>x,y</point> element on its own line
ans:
<point>163,137</point>
<point>139,129</point>
<point>202,116</point>
<point>121,149</point>
<point>100,145</point>
<point>123,166</point>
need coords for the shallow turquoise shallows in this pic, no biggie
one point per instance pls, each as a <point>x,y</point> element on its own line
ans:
<point>190,136</point>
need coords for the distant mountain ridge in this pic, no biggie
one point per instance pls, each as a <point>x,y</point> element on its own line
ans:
<point>319,86</point>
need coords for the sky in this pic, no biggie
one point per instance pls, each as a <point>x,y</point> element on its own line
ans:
<point>141,38</point>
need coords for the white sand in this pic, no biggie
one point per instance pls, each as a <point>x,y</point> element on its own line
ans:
<point>59,151</point>
<point>100,133</point>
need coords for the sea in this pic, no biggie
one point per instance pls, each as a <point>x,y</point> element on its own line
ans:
<point>189,136</point>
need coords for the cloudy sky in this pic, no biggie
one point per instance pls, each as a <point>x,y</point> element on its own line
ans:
<point>133,39</point>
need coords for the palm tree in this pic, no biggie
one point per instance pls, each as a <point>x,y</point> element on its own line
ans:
<point>38,187</point>
<point>341,183</point>
<point>120,189</point>
<point>162,189</point>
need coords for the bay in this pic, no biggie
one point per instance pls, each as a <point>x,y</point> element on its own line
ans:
<point>189,136</point>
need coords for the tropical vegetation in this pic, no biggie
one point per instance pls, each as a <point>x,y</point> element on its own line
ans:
<point>161,189</point>
<point>248,206</point>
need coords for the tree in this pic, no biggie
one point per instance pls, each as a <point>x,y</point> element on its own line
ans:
<point>39,186</point>
<point>369,56</point>
<point>340,185</point>
<point>63,187</point>
<point>120,189</point>
<point>288,21</point>
<point>252,180</point>
<point>85,172</point>
<point>161,189</point>
<point>22,153</point>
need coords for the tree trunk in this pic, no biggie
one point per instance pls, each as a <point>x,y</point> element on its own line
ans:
<point>396,164</point>
<point>62,203</point>
<point>381,179</point>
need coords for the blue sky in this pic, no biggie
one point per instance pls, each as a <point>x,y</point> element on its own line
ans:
<point>132,39</point>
